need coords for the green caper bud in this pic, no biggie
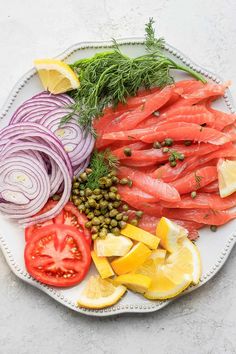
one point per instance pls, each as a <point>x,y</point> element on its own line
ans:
<point>165,150</point>
<point>108,183</point>
<point>125,218</point>
<point>77,201</point>
<point>193,194</point>
<point>97,212</point>
<point>83,199</point>
<point>75,179</point>
<point>105,226</point>
<point>102,181</point>
<point>213,228</point>
<point>82,193</point>
<point>86,205</point>
<point>94,229</point>
<point>99,197</point>
<point>90,216</point>
<point>113,189</point>
<point>103,211</point>
<point>110,206</point>
<point>88,224</point>
<point>122,224</point>
<point>114,223</point>
<point>169,142</point>
<point>171,158</point>
<point>115,180</point>
<point>109,227</point>
<point>163,143</point>
<point>127,152</point>
<point>113,173</point>
<point>124,181</point>
<point>181,157</point>
<point>116,204</point>
<point>188,142</point>
<point>87,211</point>
<point>74,197</point>
<point>173,163</point>
<point>112,195</point>
<point>130,183</point>
<point>76,185</point>
<point>95,221</point>
<point>119,217</point>
<point>113,213</point>
<point>94,236</point>
<point>103,204</point>
<point>92,202</point>
<point>156,145</point>
<point>101,218</point>
<point>81,207</point>
<point>88,171</point>
<point>118,197</point>
<point>106,196</point>
<point>102,234</point>
<point>115,231</point>
<point>125,207</point>
<point>76,192</point>
<point>97,191</point>
<point>88,192</point>
<point>134,222</point>
<point>83,176</point>
<point>82,186</point>
<point>107,221</point>
<point>139,214</point>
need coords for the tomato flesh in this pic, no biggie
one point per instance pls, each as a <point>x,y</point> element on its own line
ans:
<point>57,255</point>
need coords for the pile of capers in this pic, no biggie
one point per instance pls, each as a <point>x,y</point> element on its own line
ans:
<point>165,146</point>
<point>102,205</point>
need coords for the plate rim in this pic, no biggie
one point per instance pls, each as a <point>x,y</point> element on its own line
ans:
<point>55,293</point>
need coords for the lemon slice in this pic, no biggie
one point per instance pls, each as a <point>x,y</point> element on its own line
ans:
<point>56,76</point>
<point>226,177</point>
<point>112,246</point>
<point>171,234</point>
<point>137,234</point>
<point>186,261</point>
<point>158,256</point>
<point>102,265</point>
<point>99,293</point>
<point>132,260</point>
<point>138,283</point>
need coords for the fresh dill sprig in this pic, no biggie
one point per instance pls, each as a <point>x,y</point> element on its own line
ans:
<point>110,77</point>
<point>101,164</point>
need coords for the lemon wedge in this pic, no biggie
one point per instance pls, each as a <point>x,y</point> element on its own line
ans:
<point>132,260</point>
<point>158,256</point>
<point>112,246</point>
<point>102,265</point>
<point>138,283</point>
<point>99,293</point>
<point>56,76</point>
<point>137,234</point>
<point>226,177</point>
<point>171,234</point>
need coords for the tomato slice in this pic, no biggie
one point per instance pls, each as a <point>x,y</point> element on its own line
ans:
<point>57,255</point>
<point>30,231</point>
<point>72,217</point>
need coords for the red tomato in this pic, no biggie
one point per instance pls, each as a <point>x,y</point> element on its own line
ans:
<point>57,255</point>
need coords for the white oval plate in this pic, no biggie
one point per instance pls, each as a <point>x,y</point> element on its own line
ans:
<point>214,247</point>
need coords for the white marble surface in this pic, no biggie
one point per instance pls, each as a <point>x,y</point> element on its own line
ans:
<point>200,323</point>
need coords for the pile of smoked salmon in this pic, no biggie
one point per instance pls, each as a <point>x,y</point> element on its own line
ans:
<point>182,113</point>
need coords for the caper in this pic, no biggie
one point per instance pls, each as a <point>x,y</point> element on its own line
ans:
<point>113,173</point>
<point>110,227</point>
<point>193,194</point>
<point>94,229</point>
<point>181,157</point>
<point>125,207</point>
<point>163,143</point>
<point>103,233</point>
<point>82,187</point>
<point>108,183</point>
<point>105,226</point>
<point>116,204</point>
<point>113,189</point>
<point>76,185</point>
<point>113,213</point>
<point>97,212</point>
<point>101,218</point>
<point>114,223</point>
<point>77,201</point>
<point>119,216</point>
<point>173,163</point>
<point>82,193</point>
<point>88,224</point>
<point>74,197</point>
<point>103,211</point>
<point>106,196</point>
<point>171,158</point>
<point>139,214</point>
<point>107,221</point>
<point>88,171</point>
<point>169,142</point>
<point>213,228</point>
<point>81,207</point>
<point>112,195</point>
<point>165,150</point>
<point>103,204</point>
<point>86,205</point>
<point>130,183</point>
<point>99,197</point>
<point>134,222</point>
<point>90,216</point>
<point>124,181</point>
<point>95,221</point>
<point>92,202</point>
<point>156,145</point>
<point>83,176</point>
<point>115,180</point>
<point>83,199</point>
<point>87,211</point>
<point>102,180</point>
<point>115,231</point>
<point>125,218</point>
<point>88,192</point>
<point>94,236</point>
<point>76,192</point>
<point>188,142</point>
<point>127,152</point>
<point>110,206</point>
<point>97,191</point>
<point>122,224</point>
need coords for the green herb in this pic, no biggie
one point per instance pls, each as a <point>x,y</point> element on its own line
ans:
<point>108,78</point>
